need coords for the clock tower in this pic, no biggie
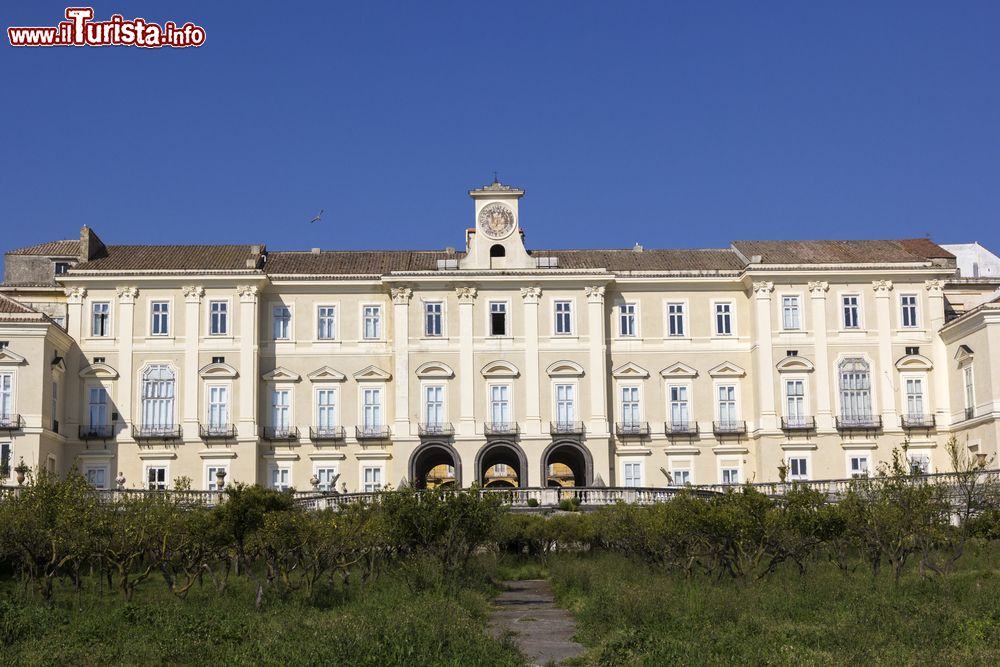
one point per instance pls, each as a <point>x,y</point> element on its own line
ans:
<point>496,242</point>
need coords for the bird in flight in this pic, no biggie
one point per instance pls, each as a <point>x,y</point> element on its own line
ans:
<point>319,216</point>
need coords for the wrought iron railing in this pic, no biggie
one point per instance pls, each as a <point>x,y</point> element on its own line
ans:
<point>917,421</point>
<point>11,422</point>
<point>279,433</point>
<point>372,432</point>
<point>632,429</point>
<point>157,432</point>
<point>326,433</point>
<point>97,431</point>
<point>729,427</point>
<point>217,431</point>
<point>435,429</point>
<point>566,428</point>
<point>680,427</point>
<point>501,428</point>
<point>800,423</point>
<point>863,423</point>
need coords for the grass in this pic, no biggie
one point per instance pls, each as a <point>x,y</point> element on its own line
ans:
<point>629,614</point>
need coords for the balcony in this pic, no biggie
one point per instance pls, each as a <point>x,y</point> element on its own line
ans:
<point>632,429</point>
<point>217,431</point>
<point>501,428</point>
<point>916,422</point>
<point>327,433</point>
<point>371,432</point>
<point>104,432</point>
<point>159,432</point>
<point>279,433</point>
<point>566,428</point>
<point>800,423</point>
<point>677,428</point>
<point>11,422</point>
<point>863,423</point>
<point>729,427</point>
<point>435,430</point>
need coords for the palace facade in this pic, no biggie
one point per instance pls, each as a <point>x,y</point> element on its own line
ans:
<point>493,364</point>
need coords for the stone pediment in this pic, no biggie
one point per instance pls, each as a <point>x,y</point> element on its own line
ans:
<point>434,369</point>
<point>565,368</point>
<point>679,370</point>
<point>100,371</point>
<point>281,374</point>
<point>218,370</point>
<point>795,365</point>
<point>630,370</point>
<point>372,374</point>
<point>727,369</point>
<point>963,353</point>
<point>10,357</point>
<point>914,362</point>
<point>326,374</point>
<point>500,369</point>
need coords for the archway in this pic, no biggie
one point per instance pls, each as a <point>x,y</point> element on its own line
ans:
<point>501,465</point>
<point>567,463</point>
<point>435,464</point>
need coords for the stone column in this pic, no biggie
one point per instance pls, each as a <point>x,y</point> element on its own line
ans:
<point>940,399</point>
<point>824,409</point>
<point>598,371</point>
<point>126,398</point>
<point>192,319</point>
<point>249,362</point>
<point>765,356</point>
<point>466,380</point>
<point>401,353</point>
<point>886,376</point>
<point>533,412</point>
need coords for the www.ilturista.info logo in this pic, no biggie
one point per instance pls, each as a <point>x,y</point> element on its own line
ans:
<point>81,30</point>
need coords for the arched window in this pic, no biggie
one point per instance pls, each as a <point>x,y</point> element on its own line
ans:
<point>158,397</point>
<point>498,251</point>
<point>855,390</point>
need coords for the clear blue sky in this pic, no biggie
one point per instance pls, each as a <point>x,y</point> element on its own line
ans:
<point>672,124</point>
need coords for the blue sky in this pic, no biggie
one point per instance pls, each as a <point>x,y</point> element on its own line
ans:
<point>671,124</point>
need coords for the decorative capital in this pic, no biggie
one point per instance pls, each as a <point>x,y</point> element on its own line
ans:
<point>531,294</point>
<point>466,294</point>
<point>401,295</point>
<point>193,294</point>
<point>594,294</point>
<point>882,287</point>
<point>818,287</point>
<point>248,293</point>
<point>934,287</point>
<point>76,294</point>
<point>127,294</point>
<point>763,289</point>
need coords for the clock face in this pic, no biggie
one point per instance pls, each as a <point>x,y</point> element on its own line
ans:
<point>496,220</point>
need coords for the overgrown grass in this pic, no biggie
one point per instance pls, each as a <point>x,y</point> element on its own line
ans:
<point>630,614</point>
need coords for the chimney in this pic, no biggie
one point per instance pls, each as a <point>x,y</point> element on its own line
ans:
<point>91,246</point>
<point>637,248</point>
<point>315,251</point>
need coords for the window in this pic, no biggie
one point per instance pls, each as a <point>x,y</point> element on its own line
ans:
<point>281,478</point>
<point>630,407</point>
<point>156,478</point>
<point>564,318</point>
<point>633,474</point>
<point>908,302</point>
<point>4,459</point>
<point>798,468</point>
<point>855,390</point>
<point>218,360</point>
<point>970,396</point>
<point>675,319</point>
<point>626,320</point>
<point>434,404</point>
<point>679,410</point>
<point>161,318</point>
<point>500,470</point>
<point>433,318</point>
<point>212,474</point>
<point>372,322</point>
<point>723,319</point>
<point>281,319</point>
<point>730,475</point>
<point>6,396</point>
<point>158,398</point>
<point>858,466</point>
<point>218,318</point>
<point>565,408</point>
<point>327,477</point>
<point>371,407</point>
<point>498,318</point>
<point>371,479</point>
<point>681,476</point>
<point>326,322</point>
<point>790,317</point>
<point>727,405</point>
<point>326,411</point>
<point>852,311</point>
<point>62,268</point>
<point>500,404</point>
<point>60,320</point>
<point>795,402</point>
<point>55,406</point>
<point>100,322</point>
<point>97,477</point>
<point>920,464</point>
<point>911,349</point>
<point>218,409</point>
<point>914,397</point>
<point>97,400</point>
<point>281,410</point>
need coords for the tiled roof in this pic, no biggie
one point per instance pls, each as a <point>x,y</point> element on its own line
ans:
<point>170,258</point>
<point>51,249</point>
<point>713,259</point>
<point>10,306</point>
<point>347,262</point>
<point>843,252</point>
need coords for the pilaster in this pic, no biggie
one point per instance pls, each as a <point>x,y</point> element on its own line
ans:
<point>126,399</point>
<point>192,318</point>
<point>533,418</point>
<point>249,364</point>
<point>598,371</point>
<point>941,397</point>
<point>765,355</point>
<point>824,409</point>
<point>401,352</point>
<point>886,376</point>
<point>467,415</point>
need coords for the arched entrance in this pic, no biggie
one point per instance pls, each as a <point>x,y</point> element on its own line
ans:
<point>567,463</point>
<point>434,465</point>
<point>501,465</point>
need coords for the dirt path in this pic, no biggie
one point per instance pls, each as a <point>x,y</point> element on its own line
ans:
<point>543,631</point>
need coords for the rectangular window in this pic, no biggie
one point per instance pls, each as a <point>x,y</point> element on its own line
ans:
<point>730,475</point>
<point>60,320</point>
<point>156,478</point>
<point>858,466</point>
<point>212,477</point>
<point>5,458</point>
<point>218,318</point>
<point>327,477</point>
<point>630,406</point>
<point>218,408</point>
<point>795,402</point>
<point>55,406</point>
<point>727,405</point>
<point>371,408</point>
<point>434,404</point>
<point>675,319</point>
<point>626,320</point>
<point>852,311</point>
<point>62,268</point>
<point>681,476</point>
<point>790,317</point>
<point>281,319</point>
<point>100,323</point>
<point>326,322</point>
<point>97,477</point>
<point>433,325</point>
<point>723,319</point>
<point>679,411</point>
<point>6,397</point>
<point>498,318</point>
<point>281,410</point>
<point>281,478</point>
<point>371,479</point>
<point>372,317</point>
<point>914,397</point>
<point>798,468</point>
<point>908,302</point>
<point>564,318</point>
<point>500,404</point>
<point>970,394</point>
<point>161,318</point>
<point>326,410</point>
<point>565,407</point>
<point>97,406</point>
<point>633,474</point>
<point>855,391</point>
<point>920,464</point>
